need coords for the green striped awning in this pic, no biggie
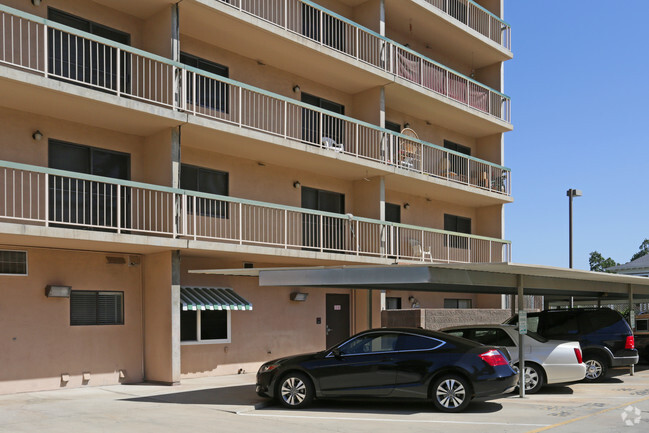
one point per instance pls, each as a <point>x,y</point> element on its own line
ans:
<point>211,298</point>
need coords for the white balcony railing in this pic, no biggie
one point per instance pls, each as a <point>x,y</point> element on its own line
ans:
<point>66,54</point>
<point>54,198</point>
<point>478,18</point>
<point>321,25</point>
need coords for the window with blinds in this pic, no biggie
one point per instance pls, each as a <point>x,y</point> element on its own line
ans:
<point>96,308</point>
<point>13,262</point>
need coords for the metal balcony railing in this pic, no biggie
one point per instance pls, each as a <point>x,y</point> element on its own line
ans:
<point>55,198</point>
<point>65,54</point>
<point>478,18</point>
<point>305,18</point>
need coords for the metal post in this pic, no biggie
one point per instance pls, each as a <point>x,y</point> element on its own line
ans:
<point>571,193</point>
<point>521,352</point>
<point>631,322</point>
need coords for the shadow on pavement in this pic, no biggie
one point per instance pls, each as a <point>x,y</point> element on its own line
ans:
<point>231,395</point>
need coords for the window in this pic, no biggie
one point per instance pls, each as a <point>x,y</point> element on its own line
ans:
<point>86,202</point>
<point>392,303</point>
<point>454,223</point>
<point>493,337</point>
<point>461,334</point>
<point>13,262</point>
<point>333,229</point>
<point>457,164</point>
<point>642,324</point>
<point>209,181</point>
<point>408,342</point>
<point>333,128</point>
<point>205,326</point>
<point>560,325</point>
<point>370,344</point>
<point>457,303</point>
<point>96,308</point>
<point>210,93</point>
<point>81,60</point>
<point>391,126</point>
<point>457,147</point>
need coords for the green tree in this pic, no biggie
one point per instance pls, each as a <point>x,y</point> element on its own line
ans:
<point>644,250</point>
<point>598,263</point>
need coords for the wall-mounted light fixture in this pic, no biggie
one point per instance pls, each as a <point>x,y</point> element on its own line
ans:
<point>57,291</point>
<point>406,205</point>
<point>296,88</point>
<point>406,125</point>
<point>297,184</point>
<point>36,2</point>
<point>299,296</point>
<point>37,135</point>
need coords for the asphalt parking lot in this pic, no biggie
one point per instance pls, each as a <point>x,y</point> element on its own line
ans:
<point>229,404</point>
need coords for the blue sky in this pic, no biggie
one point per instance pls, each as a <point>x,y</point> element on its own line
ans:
<point>579,84</point>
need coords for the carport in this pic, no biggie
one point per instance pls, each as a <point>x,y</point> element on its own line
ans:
<point>481,278</point>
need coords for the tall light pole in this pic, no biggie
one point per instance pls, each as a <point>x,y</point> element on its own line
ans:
<point>571,193</point>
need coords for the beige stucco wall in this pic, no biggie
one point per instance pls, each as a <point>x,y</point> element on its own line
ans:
<point>37,343</point>
<point>368,14</point>
<point>275,327</point>
<point>250,71</point>
<point>91,11</point>
<point>19,146</point>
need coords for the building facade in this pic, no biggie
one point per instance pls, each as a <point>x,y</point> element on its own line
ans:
<point>145,139</point>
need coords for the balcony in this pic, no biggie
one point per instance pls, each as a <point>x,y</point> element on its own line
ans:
<point>67,55</point>
<point>477,18</point>
<point>373,52</point>
<point>31,195</point>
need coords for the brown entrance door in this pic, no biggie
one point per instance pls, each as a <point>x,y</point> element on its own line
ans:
<point>337,318</point>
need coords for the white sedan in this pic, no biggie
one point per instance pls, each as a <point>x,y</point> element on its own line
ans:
<point>546,361</point>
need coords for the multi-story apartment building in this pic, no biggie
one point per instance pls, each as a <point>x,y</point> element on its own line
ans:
<point>144,139</point>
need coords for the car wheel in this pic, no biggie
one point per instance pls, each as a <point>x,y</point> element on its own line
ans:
<point>534,377</point>
<point>295,390</point>
<point>596,368</point>
<point>451,393</point>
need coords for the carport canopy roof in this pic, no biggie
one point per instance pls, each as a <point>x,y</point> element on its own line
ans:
<point>493,278</point>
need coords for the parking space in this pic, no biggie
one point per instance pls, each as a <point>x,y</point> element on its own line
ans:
<point>229,404</point>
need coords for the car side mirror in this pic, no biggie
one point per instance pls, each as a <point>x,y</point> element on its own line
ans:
<point>336,352</point>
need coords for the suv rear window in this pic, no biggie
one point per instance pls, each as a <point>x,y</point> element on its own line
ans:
<point>559,324</point>
<point>593,320</point>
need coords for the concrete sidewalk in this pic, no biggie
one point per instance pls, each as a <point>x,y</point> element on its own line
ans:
<point>139,407</point>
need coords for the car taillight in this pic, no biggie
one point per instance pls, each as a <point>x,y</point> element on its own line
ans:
<point>494,358</point>
<point>630,342</point>
<point>578,354</point>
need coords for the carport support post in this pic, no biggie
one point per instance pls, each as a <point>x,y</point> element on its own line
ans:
<point>631,320</point>
<point>521,352</point>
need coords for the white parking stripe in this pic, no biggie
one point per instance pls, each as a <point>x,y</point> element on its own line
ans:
<point>420,421</point>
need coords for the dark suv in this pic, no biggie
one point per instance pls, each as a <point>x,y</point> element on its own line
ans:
<point>605,337</point>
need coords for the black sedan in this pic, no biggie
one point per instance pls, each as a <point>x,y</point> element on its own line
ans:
<point>391,363</point>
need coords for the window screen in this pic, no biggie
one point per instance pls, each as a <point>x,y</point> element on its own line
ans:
<point>13,262</point>
<point>96,308</point>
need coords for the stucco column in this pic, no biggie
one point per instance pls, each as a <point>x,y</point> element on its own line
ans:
<point>161,311</point>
